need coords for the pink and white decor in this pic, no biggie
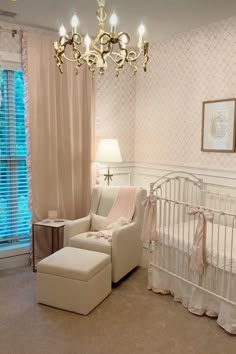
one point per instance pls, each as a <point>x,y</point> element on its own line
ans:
<point>194,255</point>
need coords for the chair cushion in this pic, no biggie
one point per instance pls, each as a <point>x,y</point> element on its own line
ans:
<point>97,222</point>
<point>74,263</point>
<point>93,243</point>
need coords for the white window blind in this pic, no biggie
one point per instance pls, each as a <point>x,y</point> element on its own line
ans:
<point>14,212</point>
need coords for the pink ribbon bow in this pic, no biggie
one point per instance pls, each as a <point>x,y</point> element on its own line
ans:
<point>149,232</point>
<point>198,256</point>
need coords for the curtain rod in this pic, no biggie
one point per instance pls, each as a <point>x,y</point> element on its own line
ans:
<point>13,32</point>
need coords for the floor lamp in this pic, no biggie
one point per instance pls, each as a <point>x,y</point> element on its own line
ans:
<point>108,152</point>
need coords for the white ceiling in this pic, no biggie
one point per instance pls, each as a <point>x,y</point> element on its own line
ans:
<point>163,18</point>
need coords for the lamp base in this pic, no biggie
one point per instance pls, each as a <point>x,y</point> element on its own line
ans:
<point>108,176</point>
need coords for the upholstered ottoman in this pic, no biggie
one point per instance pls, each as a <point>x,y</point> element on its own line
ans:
<point>74,279</point>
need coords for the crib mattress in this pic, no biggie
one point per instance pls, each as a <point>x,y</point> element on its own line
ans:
<point>220,242</point>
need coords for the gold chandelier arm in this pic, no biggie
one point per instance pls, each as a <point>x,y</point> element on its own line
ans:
<point>123,38</point>
<point>69,59</point>
<point>133,66</point>
<point>133,56</point>
<point>88,54</point>
<point>77,55</point>
<point>101,49</point>
<point>77,39</point>
<point>118,59</point>
<point>59,52</point>
<point>123,50</point>
<point>105,38</point>
<point>146,56</point>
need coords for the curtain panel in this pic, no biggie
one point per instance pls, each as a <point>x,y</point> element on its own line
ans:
<point>60,122</point>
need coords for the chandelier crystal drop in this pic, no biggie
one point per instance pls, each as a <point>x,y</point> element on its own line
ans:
<point>105,46</point>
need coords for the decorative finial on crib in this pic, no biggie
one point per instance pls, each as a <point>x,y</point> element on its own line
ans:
<point>152,189</point>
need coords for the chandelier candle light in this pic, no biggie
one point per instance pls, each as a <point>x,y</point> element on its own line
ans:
<point>106,45</point>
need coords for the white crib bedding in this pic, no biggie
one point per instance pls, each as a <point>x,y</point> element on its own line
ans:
<point>196,300</point>
<point>169,269</point>
<point>220,242</point>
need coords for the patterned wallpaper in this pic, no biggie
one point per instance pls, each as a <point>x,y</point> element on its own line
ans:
<point>9,44</point>
<point>193,67</point>
<point>116,106</point>
<point>13,44</point>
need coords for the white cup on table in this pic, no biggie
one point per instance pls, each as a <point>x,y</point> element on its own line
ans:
<point>52,215</point>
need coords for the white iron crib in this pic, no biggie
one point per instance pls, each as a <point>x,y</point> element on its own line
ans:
<point>212,292</point>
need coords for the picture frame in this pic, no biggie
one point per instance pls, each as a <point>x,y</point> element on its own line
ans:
<point>219,125</point>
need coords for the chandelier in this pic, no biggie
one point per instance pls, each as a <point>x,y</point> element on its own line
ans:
<point>105,46</point>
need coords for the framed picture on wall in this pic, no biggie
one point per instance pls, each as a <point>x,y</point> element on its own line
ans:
<point>218,125</point>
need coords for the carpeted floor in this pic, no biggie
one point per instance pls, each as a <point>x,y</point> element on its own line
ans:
<point>131,320</point>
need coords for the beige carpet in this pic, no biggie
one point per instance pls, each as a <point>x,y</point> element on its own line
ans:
<point>131,320</point>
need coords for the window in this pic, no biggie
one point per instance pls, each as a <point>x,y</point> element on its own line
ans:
<point>14,212</point>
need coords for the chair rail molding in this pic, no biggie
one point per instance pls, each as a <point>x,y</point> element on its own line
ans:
<point>141,173</point>
<point>144,173</point>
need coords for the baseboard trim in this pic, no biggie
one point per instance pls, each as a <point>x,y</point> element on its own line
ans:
<point>15,261</point>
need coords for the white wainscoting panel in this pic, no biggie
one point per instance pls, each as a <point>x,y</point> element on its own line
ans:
<point>145,173</point>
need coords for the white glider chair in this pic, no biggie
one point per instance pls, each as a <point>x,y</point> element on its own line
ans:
<point>125,248</point>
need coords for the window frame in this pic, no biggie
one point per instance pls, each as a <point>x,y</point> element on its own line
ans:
<point>12,61</point>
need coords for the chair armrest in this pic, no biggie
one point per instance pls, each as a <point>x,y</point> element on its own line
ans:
<point>126,250</point>
<point>76,227</point>
<point>124,231</point>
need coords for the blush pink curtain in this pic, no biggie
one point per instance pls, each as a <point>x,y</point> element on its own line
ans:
<point>60,112</point>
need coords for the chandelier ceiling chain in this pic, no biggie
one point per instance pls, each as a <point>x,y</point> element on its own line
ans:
<point>111,45</point>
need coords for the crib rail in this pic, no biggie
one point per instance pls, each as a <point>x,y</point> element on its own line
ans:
<point>175,194</point>
<point>187,188</point>
<point>176,230</point>
<point>220,201</point>
<point>178,186</point>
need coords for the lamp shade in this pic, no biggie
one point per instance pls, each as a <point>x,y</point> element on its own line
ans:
<point>108,151</point>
